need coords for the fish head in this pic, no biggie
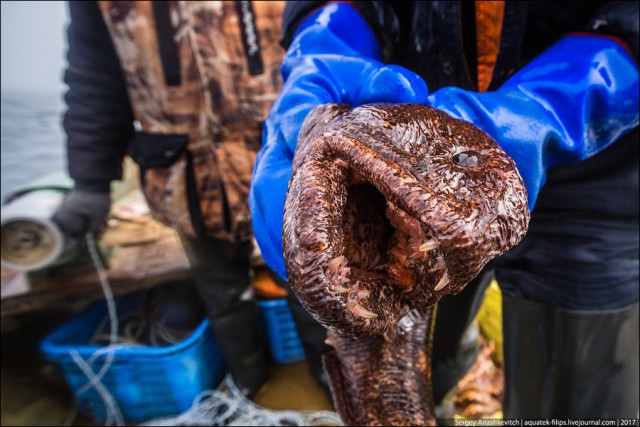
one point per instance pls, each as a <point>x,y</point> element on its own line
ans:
<point>392,206</point>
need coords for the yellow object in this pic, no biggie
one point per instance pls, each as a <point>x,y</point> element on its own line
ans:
<point>490,318</point>
<point>265,287</point>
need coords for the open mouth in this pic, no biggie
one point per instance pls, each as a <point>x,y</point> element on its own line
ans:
<point>359,249</point>
<point>385,250</point>
<point>376,222</point>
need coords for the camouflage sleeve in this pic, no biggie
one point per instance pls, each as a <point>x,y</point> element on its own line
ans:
<point>99,120</point>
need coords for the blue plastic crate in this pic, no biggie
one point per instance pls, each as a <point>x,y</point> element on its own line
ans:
<point>146,382</point>
<point>284,340</point>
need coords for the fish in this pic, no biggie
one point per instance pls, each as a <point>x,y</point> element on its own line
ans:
<point>389,208</point>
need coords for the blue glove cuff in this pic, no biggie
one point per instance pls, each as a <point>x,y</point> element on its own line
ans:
<point>335,28</point>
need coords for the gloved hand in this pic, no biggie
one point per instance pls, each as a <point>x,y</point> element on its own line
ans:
<point>334,57</point>
<point>82,211</point>
<point>569,103</point>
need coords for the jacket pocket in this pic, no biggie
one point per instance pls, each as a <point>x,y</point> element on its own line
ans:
<point>151,150</point>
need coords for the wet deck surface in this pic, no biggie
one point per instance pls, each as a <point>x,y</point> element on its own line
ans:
<point>33,392</point>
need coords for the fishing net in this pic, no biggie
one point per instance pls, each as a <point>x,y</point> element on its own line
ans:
<point>224,406</point>
<point>227,406</point>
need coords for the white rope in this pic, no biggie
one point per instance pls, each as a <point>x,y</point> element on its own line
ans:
<point>113,413</point>
<point>227,406</point>
<point>111,307</point>
<point>112,409</point>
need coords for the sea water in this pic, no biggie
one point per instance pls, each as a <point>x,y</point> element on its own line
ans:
<point>33,142</point>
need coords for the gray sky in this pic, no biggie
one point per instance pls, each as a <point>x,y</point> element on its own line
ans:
<point>33,45</point>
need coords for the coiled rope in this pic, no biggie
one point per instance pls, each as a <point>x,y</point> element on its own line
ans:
<point>224,406</point>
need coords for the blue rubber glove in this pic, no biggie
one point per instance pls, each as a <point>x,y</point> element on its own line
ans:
<point>334,57</point>
<point>572,101</point>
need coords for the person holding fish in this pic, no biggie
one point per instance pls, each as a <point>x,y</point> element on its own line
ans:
<point>556,86</point>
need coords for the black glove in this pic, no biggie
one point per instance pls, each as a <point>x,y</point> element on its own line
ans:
<point>83,211</point>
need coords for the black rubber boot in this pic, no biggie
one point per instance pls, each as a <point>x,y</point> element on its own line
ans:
<point>312,335</point>
<point>243,344</point>
<point>221,274</point>
<point>569,364</point>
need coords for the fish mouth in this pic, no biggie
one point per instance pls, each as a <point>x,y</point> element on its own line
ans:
<point>366,252</point>
<point>384,246</point>
<point>373,224</point>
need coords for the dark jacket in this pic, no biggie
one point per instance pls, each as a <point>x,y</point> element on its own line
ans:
<point>99,120</point>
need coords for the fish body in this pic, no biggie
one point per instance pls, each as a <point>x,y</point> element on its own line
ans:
<point>389,208</point>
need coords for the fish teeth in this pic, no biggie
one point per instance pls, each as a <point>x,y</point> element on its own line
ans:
<point>335,263</point>
<point>363,294</point>
<point>339,289</point>
<point>360,311</point>
<point>428,245</point>
<point>439,263</point>
<point>444,281</point>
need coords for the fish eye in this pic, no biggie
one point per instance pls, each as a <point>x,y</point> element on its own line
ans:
<point>467,159</point>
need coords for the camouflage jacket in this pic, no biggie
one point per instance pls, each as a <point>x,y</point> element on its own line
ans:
<point>200,78</point>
